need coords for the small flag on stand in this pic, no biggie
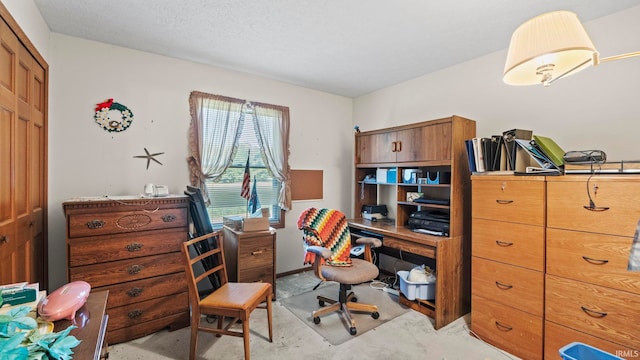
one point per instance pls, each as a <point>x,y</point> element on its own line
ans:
<point>244,192</point>
<point>254,202</point>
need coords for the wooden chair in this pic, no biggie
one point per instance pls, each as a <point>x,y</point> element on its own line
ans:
<point>234,300</point>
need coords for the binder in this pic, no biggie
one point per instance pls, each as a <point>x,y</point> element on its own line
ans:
<point>510,147</point>
<point>549,147</point>
<point>545,165</point>
<point>471,157</point>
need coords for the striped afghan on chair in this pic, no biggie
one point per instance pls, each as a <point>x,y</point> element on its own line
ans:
<point>327,228</point>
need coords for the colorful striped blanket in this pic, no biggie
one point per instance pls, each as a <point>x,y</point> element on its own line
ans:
<point>327,228</point>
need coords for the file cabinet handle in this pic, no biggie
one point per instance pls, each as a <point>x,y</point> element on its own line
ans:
<point>593,313</point>
<point>399,147</point>
<point>394,146</point>
<point>95,224</point>
<point>503,286</point>
<point>503,243</point>
<point>504,202</point>
<point>595,261</point>
<point>257,252</point>
<point>503,327</point>
<point>4,239</point>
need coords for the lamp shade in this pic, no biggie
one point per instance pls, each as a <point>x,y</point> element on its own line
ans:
<point>548,47</point>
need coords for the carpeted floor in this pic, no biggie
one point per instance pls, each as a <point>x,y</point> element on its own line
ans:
<point>333,327</point>
<point>409,336</point>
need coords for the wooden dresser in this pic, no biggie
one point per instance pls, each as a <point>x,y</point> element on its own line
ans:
<point>590,295</point>
<point>507,287</point>
<point>131,247</point>
<point>251,256</point>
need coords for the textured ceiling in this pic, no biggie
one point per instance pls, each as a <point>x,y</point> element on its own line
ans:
<point>345,47</point>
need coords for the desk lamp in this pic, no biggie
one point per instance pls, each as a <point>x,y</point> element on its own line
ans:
<point>549,47</point>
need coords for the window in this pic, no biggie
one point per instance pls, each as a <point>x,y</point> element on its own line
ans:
<point>226,132</point>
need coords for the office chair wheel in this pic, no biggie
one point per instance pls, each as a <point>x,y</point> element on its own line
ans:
<point>354,299</point>
<point>316,320</point>
<point>375,315</point>
<point>321,302</point>
<point>352,331</point>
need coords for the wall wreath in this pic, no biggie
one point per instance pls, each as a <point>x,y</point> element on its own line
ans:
<point>113,125</point>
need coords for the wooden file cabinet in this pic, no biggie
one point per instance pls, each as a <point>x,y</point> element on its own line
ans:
<point>507,266</point>
<point>251,256</point>
<point>590,295</point>
<point>131,247</point>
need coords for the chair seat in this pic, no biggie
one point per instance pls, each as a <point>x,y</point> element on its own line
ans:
<point>360,271</point>
<point>240,296</point>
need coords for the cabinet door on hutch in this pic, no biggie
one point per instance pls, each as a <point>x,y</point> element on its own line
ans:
<point>376,148</point>
<point>424,143</point>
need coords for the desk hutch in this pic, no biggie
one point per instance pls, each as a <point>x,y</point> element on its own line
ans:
<point>430,147</point>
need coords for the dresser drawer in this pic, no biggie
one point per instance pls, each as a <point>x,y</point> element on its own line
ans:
<point>80,225</point>
<point>128,270</point>
<point>255,253</point>
<point>509,285</point>
<point>567,200</point>
<point>512,243</point>
<point>175,321</point>
<point>597,310</point>
<point>141,290</point>
<point>137,313</point>
<point>556,336</point>
<point>514,331</point>
<point>512,199</point>
<point>594,258</point>
<point>97,249</point>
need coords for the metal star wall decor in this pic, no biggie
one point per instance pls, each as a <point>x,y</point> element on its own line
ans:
<point>149,157</point>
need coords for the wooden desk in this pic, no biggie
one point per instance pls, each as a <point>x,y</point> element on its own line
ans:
<point>452,284</point>
<point>91,321</point>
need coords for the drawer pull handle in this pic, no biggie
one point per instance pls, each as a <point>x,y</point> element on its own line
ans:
<point>257,252</point>
<point>592,207</point>
<point>503,286</point>
<point>168,218</point>
<point>594,261</point>
<point>504,202</point>
<point>593,313</point>
<point>503,243</point>
<point>134,269</point>
<point>503,327</point>
<point>135,314</point>
<point>135,291</point>
<point>95,224</point>
<point>134,247</point>
<point>4,239</point>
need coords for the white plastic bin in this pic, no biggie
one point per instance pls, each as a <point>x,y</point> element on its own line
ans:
<point>416,290</point>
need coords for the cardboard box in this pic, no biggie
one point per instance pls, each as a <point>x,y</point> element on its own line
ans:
<point>255,224</point>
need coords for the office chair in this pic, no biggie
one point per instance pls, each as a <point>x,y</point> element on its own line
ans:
<point>234,300</point>
<point>328,248</point>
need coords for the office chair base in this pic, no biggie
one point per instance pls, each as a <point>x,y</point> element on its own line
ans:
<point>345,306</point>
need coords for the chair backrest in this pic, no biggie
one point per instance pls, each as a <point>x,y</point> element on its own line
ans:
<point>210,255</point>
<point>327,228</point>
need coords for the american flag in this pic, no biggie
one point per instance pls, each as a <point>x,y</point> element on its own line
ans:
<point>245,192</point>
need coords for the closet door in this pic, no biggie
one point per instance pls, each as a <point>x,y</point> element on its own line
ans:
<point>22,162</point>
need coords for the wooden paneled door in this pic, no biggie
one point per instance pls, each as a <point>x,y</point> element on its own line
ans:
<point>23,157</point>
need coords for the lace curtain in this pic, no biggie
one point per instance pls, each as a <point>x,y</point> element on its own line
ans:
<point>209,158</point>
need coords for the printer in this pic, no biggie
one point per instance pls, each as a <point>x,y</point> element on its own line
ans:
<point>374,212</point>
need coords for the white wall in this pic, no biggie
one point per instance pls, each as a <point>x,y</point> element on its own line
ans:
<point>598,108</point>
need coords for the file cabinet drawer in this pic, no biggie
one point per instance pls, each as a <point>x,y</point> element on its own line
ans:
<point>595,258</point>
<point>597,310</point>
<point>568,196</point>
<point>557,336</point>
<point>509,198</point>
<point>512,243</point>
<point>514,331</point>
<point>509,285</point>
